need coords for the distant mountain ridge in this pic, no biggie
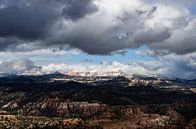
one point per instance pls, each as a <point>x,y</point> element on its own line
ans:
<point>12,78</point>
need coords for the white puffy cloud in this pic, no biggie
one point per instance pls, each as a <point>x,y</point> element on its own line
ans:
<point>168,66</point>
<point>22,66</point>
<point>182,66</point>
<point>131,69</point>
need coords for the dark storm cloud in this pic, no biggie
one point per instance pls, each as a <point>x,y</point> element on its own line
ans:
<point>7,44</point>
<point>110,26</point>
<point>27,22</point>
<point>152,36</point>
<point>76,9</point>
<point>88,41</point>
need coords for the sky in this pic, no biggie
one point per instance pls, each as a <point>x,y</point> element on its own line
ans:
<point>153,38</point>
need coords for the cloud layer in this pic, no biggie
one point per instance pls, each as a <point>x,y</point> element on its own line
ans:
<point>22,66</point>
<point>97,26</point>
<point>101,27</point>
<point>148,68</point>
<point>171,66</point>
